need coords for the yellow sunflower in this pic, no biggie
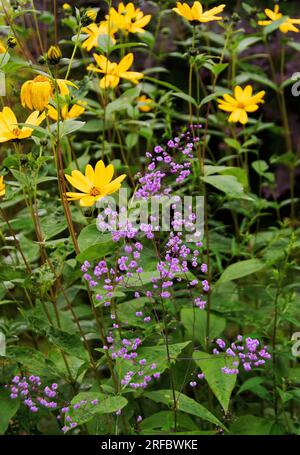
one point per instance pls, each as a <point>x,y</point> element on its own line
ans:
<point>241,103</point>
<point>94,185</point>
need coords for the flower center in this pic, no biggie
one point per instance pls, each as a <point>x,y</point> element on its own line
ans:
<point>241,105</point>
<point>94,191</point>
<point>16,131</point>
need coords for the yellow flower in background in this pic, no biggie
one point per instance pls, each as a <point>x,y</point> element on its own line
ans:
<point>115,71</point>
<point>286,26</point>
<point>66,113</point>
<point>37,93</point>
<point>241,104</point>
<point>145,104</point>
<point>94,31</point>
<point>54,55</point>
<point>9,129</point>
<point>91,14</point>
<point>94,185</point>
<point>2,186</point>
<point>2,48</point>
<point>66,6</point>
<point>128,19</point>
<point>195,13</point>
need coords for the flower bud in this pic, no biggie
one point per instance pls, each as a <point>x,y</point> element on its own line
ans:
<point>11,42</point>
<point>54,55</point>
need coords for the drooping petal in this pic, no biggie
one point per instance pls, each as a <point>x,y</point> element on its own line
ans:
<point>87,201</point>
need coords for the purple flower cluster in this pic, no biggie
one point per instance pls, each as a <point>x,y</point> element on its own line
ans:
<point>35,397</point>
<point>30,391</point>
<point>170,160</point>
<point>248,352</point>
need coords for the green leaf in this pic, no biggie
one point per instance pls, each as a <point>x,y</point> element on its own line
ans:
<point>218,68</point>
<point>105,405</point>
<point>264,80</point>
<point>251,425</point>
<point>127,45</point>
<point>8,408</point>
<point>226,183</point>
<point>68,342</point>
<point>31,359</point>
<point>69,127</point>
<point>210,97</point>
<point>184,96</point>
<point>260,166</point>
<point>241,269</point>
<point>194,321</point>
<point>250,384</point>
<point>220,383</point>
<point>105,43</point>
<point>233,143</point>
<point>184,404</point>
<point>131,140</point>
<point>247,42</point>
<point>93,244</point>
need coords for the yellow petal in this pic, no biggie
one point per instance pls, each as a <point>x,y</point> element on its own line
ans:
<point>87,201</point>
<point>90,174</point>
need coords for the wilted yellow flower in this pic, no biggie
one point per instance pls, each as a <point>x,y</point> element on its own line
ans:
<point>54,55</point>
<point>286,26</point>
<point>128,19</point>
<point>94,185</point>
<point>66,113</point>
<point>2,186</point>
<point>9,129</point>
<point>94,31</point>
<point>2,48</point>
<point>195,13</point>
<point>115,71</point>
<point>242,103</point>
<point>37,93</point>
<point>145,104</point>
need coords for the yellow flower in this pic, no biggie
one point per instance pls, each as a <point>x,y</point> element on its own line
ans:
<point>195,13</point>
<point>145,104</point>
<point>2,48</point>
<point>66,6</point>
<point>37,93</point>
<point>128,19</point>
<point>9,129</point>
<point>75,111</point>
<point>242,103</point>
<point>91,14</point>
<point>2,186</point>
<point>94,185</point>
<point>286,26</point>
<point>54,55</point>
<point>94,31</point>
<point>115,71</point>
